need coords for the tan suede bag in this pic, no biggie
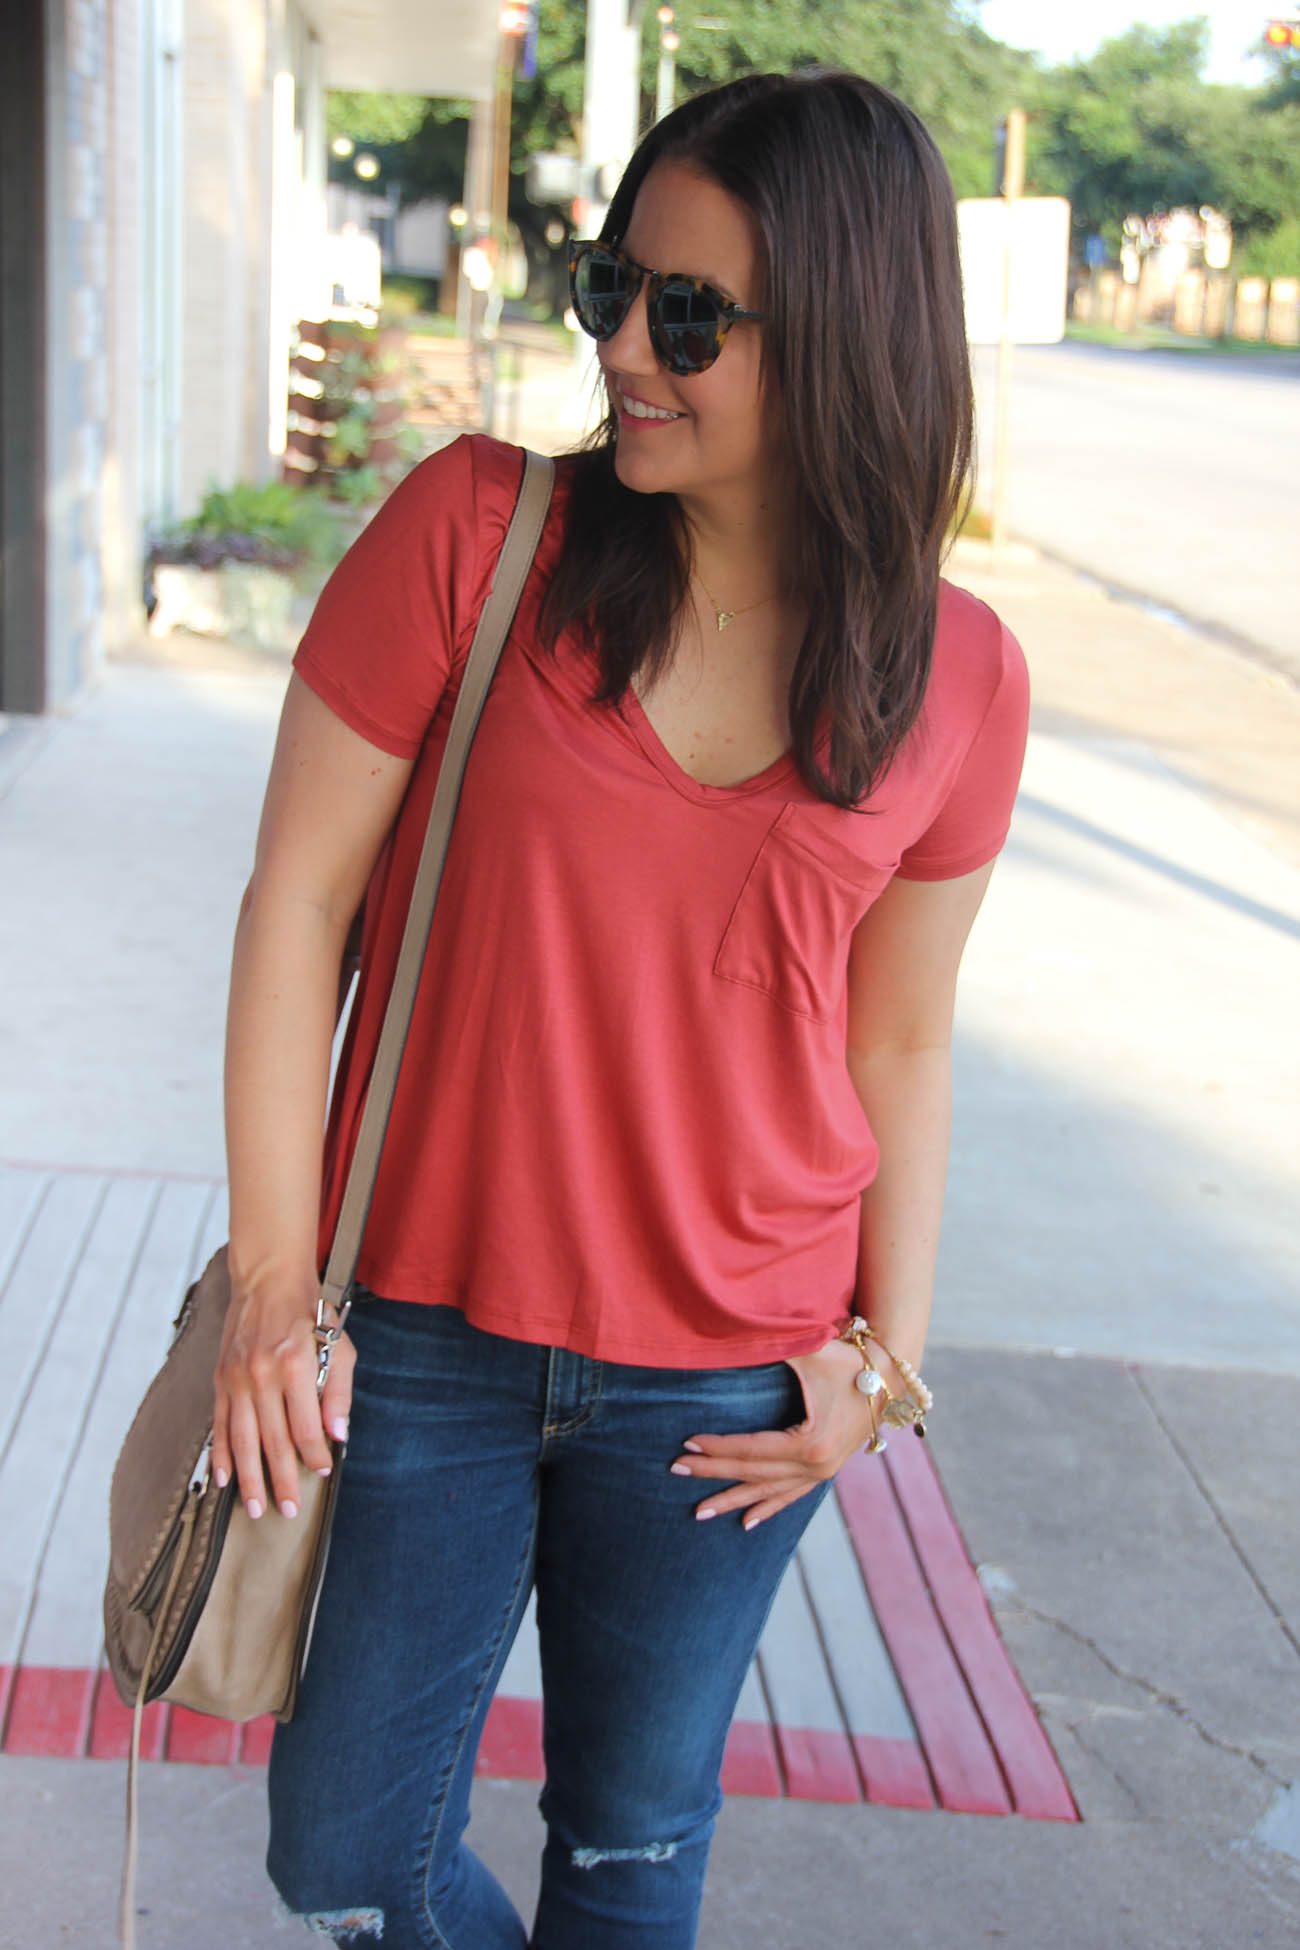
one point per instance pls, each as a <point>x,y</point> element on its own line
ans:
<point>202,1606</point>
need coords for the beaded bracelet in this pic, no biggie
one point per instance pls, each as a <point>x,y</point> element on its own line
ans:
<point>899,1411</point>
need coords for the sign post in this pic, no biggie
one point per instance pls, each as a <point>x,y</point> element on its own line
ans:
<point>1013,188</point>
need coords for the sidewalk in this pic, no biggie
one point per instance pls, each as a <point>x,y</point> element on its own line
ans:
<point>1116,1350</point>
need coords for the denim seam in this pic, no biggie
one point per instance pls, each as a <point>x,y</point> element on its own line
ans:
<point>511,1611</point>
<point>586,1412</point>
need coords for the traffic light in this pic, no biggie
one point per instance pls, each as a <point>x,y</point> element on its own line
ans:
<point>1283,33</point>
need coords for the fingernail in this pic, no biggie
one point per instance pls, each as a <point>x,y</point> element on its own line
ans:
<point>752,1523</point>
<point>288,1509</point>
<point>702,1516</point>
<point>327,1471</point>
<point>254,1509</point>
<point>693,1447</point>
<point>680,1469</point>
<point>221,1477</point>
<point>339,1429</point>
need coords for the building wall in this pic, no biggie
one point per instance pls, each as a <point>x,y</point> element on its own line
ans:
<point>224,256</point>
<point>78,373</point>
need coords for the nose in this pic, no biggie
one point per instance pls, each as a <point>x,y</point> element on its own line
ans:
<point>631,348</point>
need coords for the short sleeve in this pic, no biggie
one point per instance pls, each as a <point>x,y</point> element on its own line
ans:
<point>971,824</point>
<point>399,610</point>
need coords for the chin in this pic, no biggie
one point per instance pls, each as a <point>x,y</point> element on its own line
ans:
<point>640,471</point>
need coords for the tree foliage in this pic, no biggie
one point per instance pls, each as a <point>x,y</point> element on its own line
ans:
<point>1135,127</point>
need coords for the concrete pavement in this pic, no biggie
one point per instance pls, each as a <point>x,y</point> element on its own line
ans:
<point>1117,1339</point>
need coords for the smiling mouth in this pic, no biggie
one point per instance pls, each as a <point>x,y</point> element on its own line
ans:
<point>639,409</point>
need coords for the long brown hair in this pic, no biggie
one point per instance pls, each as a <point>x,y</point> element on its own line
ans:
<point>865,334</point>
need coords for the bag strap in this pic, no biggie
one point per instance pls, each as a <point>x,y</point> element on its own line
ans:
<point>498,612</point>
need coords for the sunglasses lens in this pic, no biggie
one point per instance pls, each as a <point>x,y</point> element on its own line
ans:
<point>688,322</point>
<point>602,292</point>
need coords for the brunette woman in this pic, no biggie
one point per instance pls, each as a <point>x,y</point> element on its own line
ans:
<point>651,1249</point>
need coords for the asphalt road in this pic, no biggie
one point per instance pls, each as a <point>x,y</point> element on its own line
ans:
<point>1172,475</point>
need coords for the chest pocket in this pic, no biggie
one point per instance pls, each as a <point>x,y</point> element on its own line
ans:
<point>789,931</point>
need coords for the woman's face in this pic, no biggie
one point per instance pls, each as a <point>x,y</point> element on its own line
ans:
<point>725,433</point>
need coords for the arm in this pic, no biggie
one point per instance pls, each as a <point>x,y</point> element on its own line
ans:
<point>902,984</point>
<point>330,801</point>
<point>902,979</point>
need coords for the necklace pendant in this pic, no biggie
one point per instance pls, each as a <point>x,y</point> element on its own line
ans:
<point>725,616</point>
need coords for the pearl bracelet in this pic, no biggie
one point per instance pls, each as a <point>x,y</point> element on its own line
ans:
<point>899,1411</point>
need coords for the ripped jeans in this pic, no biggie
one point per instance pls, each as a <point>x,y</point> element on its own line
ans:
<point>478,1467</point>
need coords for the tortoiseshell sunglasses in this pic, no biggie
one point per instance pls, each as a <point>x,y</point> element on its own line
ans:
<point>687,318</point>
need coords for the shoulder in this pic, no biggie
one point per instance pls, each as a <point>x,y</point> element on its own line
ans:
<point>976,660</point>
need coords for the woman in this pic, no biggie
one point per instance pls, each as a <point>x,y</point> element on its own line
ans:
<point>674,1102</point>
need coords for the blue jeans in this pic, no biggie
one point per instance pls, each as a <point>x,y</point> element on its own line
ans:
<point>478,1467</point>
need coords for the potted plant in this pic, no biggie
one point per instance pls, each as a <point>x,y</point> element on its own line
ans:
<point>234,568</point>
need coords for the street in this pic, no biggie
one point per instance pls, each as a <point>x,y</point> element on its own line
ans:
<point>1172,475</point>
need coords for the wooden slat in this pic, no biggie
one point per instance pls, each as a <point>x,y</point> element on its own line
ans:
<point>962,1763</point>
<point>860,1667</point>
<point>21,1190</point>
<point>816,1757</point>
<point>43,1446</point>
<point>1038,1787</point>
<point>65,1624</point>
<point>37,1284</point>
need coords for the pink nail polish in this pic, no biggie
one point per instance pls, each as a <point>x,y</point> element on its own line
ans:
<point>752,1523</point>
<point>681,1469</point>
<point>289,1510</point>
<point>702,1516</point>
<point>693,1447</point>
<point>327,1471</point>
<point>339,1429</point>
<point>254,1509</point>
<point>220,1477</point>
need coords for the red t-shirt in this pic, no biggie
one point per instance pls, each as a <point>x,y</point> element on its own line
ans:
<point>624,1124</point>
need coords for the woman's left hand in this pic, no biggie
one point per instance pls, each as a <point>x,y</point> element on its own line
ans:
<point>767,1471</point>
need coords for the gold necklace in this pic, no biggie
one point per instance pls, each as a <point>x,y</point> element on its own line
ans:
<point>726,616</point>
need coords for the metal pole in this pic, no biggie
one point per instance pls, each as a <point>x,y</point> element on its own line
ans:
<point>665,83</point>
<point>1013,187</point>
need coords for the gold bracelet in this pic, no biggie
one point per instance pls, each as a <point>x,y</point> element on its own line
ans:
<point>900,1411</point>
<point>870,1382</point>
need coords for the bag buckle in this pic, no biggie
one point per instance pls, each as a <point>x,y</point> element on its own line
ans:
<point>326,1334</point>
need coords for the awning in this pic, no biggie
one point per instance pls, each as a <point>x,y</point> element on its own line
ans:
<point>413,47</point>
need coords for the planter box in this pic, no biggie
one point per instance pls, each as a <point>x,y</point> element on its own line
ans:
<point>243,602</point>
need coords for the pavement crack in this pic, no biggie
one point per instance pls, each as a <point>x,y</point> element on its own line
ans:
<point>1189,1464</point>
<point>1095,1753</point>
<point>1168,1702</point>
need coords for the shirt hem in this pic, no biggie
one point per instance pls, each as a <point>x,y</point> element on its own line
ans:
<point>510,1322</point>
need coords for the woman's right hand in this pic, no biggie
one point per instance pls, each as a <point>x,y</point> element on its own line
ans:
<point>267,1412</point>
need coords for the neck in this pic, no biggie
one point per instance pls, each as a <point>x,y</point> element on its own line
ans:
<point>741,546</point>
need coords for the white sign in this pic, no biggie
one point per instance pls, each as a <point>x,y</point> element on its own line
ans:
<point>1038,230</point>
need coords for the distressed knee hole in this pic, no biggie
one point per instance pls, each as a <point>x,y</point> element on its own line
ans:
<point>343,1925</point>
<point>591,1858</point>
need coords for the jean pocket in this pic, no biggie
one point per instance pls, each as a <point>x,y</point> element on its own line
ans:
<point>789,931</point>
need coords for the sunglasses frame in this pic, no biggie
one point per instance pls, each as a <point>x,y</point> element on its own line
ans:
<point>656,282</point>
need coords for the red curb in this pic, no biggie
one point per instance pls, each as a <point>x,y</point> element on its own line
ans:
<point>110,1725</point>
<point>1038,1787</point>
<point>819,1766</point>
<point>511,1747</point>
<point>893,1772</point>
<point>962,1764</point>
<point>749,1762</point>
<point>198,1737</point>
<point>255,1743</point>
<point>49,1711</point>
